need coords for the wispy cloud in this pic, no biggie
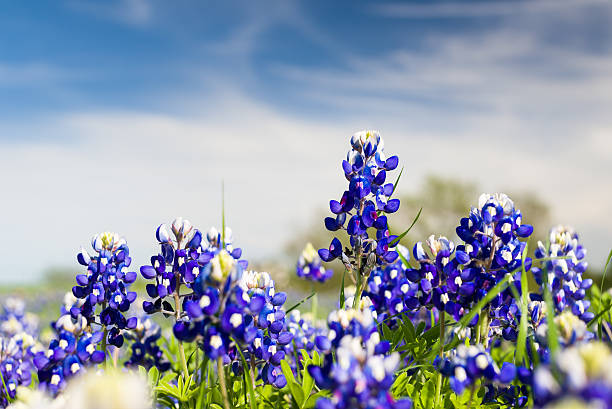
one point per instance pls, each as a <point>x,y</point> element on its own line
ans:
<point>450,9</point>
<point>32,74</point>
<point>131,12</point>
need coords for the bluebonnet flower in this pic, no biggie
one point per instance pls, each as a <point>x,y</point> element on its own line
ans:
<point>564,275</point>
<point>184,255</point>
<point>580,374</point>
<point>361,375</point>
<point>505,319</point>
<point>571,330</point>
<point>81,328</point>
<point>304,332</point>
<point>465,365</point>
<point>309,266</point>
<point>390,291</point>
<point>106,284</point>
<point>74,347</point>
<point>362,210</point>
<point>18,345</point>
<point>229,304</point>
<point>438,279</point>
<point>491,249</point>
<point>145,349</point>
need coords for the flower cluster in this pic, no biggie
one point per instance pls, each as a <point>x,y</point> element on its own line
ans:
<point>365,205</point>
<point>309,266</point>
<point>563,272</point>
<point>491,245</point>
<point>304,334</point>
<point>80,328</point>
<point>362,373</point>
<point>438,279</point>
<point>390,291</point>
<point>468,364</point>
<point>580,374</point>
<point>145,349</point>
<point>18,345</point>
<point>178,263</point>
<point>229,307</point>
<point>454,278</point>
<point>74,347</point>
<point>106,284</point>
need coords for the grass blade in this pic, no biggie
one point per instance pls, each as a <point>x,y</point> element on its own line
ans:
<point>300,302</point>
<point>603,277</point>
<point>397,180</point>
<point>401,236</point>
<point>501,286</point>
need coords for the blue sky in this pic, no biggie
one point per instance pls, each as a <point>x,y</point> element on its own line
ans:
<point>122,114</point>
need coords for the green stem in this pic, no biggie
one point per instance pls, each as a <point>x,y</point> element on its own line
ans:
<point>442,336</point>
<point>104,337</point>
<point>358,291</point>
<point>472,391</point>
<point>222,385</point>
<point>177,315</point>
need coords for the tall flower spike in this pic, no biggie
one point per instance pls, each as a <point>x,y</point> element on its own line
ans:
<point>363,208</point>
<point>491,249</point>
<point>106,284</point>
<point>563,272</point>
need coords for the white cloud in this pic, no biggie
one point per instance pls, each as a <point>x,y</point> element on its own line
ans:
<point>502,108</point>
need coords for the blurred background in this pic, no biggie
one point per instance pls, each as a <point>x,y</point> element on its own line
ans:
<point>121,115</point>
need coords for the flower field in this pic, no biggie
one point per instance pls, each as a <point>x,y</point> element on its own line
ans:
<point>493,320</point>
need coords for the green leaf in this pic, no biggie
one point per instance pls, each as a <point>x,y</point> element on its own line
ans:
<point>287,372</point>
<point>310,402</point>
<point>153,375</point>
<point>297,393</point>
<point>307,382</point>
<point>401,236</point>
<point>428,393</point>
<point>387,334</point>
<point>553,340</point>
